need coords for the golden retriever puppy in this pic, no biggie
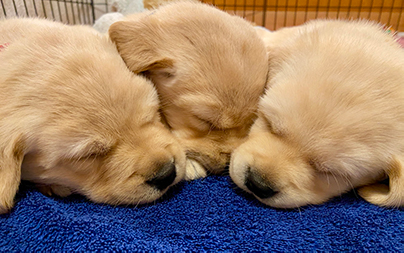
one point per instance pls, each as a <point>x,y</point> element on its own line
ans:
<point>209,68</point>
<point>332,118</point>
<point>74,118</point>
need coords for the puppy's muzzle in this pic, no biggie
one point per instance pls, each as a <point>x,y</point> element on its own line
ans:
<point>258,185</point>
<point>164,177</point>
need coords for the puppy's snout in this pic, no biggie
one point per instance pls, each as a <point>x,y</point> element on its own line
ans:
<point>258,185</point>
<point>164,177</point>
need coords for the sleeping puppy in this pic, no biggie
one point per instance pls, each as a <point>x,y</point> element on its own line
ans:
<point>331,120</point>
<point>74,119</point>
<point>209,69</point>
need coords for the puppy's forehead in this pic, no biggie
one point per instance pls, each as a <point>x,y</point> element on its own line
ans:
<point>221,48</point>
<point>201,22</point>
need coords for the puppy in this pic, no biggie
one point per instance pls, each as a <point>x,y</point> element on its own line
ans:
<point>75,119</point>
<point>331,120</point>
<point>209,69</point>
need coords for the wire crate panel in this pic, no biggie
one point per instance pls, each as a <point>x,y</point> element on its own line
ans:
<point>66,11</point>
<point>274,14</point>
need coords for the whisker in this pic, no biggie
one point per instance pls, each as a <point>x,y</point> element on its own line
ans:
<point>350,184</point>
<point>328,179</point>
<point>336,180</point>
<point>137,204</point>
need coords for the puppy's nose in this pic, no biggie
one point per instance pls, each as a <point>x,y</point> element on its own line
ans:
<point>258,185</point>
<point>164,177</point>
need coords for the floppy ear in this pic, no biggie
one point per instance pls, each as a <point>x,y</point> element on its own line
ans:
<point>380,194</point>
<point>269,116</point>
<point>11,156</point>
<point>139,41</point>
<point>274,43</point>
<point>91,147</point>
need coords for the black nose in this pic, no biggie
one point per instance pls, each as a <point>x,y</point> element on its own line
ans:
<point>164,177</point>
<point>258,185</point>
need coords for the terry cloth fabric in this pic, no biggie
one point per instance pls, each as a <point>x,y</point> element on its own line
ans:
<point>209,214</point>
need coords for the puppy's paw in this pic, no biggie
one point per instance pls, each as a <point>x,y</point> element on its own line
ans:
<point>194,170</point>
<point>6,198</point>
<point>383,195</point>
<point>375,194</point>
<point>5,207</point>
<point>58,190</point>
<point>11,156</point>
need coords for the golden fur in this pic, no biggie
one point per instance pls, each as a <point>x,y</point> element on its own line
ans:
<point>209,69</point>
<point>153,4</point>
<point>331,120</point>
<point>75,119</point>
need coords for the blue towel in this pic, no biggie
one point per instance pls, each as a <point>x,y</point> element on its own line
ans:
<point>209,214</point>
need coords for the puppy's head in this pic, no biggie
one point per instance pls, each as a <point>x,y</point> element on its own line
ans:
<point>209,69</point>
<point>326,124</point>
<point>292,160</point>
<point>110,145</point>
<point>90,125</point>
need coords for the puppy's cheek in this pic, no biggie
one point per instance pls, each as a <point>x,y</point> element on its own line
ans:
<point>302,194</point>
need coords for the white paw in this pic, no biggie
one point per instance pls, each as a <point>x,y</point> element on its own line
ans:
<point>194,170</point>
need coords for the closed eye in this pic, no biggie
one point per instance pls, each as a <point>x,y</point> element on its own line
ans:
<point>94,155</point>
<point>90,156</point>
<point>272,128</point>
<point>100,152</point>
<point>205,124</point>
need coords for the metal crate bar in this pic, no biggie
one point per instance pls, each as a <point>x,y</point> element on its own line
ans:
<point>66,11</point>
<point>275,14</point>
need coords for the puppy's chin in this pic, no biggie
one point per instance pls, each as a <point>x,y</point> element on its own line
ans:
<point>268,191</point>
<point>208,150</point>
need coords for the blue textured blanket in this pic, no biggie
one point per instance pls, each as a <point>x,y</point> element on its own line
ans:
<point>204,215</point>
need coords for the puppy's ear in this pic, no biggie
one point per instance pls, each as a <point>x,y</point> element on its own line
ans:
<point>139,41</point>
<point>275,44</point>
<point>11,156</point>
<point>90,147</point>
<point>383,195</point>
<point>269,117</point>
